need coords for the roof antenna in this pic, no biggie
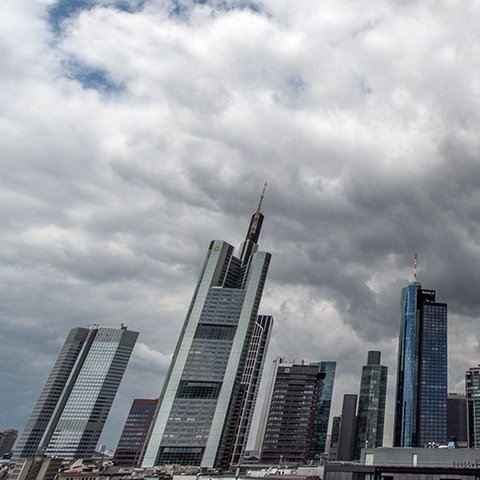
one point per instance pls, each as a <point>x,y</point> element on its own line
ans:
<point>415,268</point>
<point>261,197</point>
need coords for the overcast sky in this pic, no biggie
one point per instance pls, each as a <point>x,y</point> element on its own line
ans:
<point>135,131</point>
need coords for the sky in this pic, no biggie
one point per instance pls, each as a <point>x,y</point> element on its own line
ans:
<point>134,132</point>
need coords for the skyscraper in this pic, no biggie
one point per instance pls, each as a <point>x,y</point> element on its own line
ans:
<point>205,406</point>
<point>334,438</point>
<point>348,428</point>
<point>134,433</point>
<point>472,388</point>
<point>291,416</point>
<point>322,413</point>
<point>421,397</point>
<point>69,416</point>
<point>457,420</point>
<point>371,403</point>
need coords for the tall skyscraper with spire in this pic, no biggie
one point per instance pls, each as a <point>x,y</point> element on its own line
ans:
<point>207,400</point>
<point>421,397</point>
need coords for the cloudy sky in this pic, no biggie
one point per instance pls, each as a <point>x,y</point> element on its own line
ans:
<point>135,131</point>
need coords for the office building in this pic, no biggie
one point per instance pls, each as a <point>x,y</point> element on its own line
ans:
<point>334,438</point>
<point>348,428</point>
<point>421,396</point>
<point>472,389</point>
<point>38,467</point>
<point>408,464</point>
<point>7,441</point>
<point>205,406</point>
<point>69,416</point>
<point>134,433</point>
<point>322,414</point>
<point>457,424</point>
<point>371,404</point>
<point>317,440</point>
<point>291,416</point>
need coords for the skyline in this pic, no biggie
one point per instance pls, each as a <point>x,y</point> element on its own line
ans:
<point>135,132</point>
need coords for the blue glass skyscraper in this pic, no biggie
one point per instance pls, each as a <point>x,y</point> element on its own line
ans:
<point>421,397</point>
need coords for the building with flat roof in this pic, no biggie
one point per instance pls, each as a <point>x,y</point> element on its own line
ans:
<point>348,428</point>
<point>421,396</point>
<point>134,433</point>
<point>72,409</point>
<point>291,415</point>
<point>322,410</point>
<point>409,464</point>
<point>472,388</point>
<point>7,441</point>
<point>457,424</point>
<point>371,404</point>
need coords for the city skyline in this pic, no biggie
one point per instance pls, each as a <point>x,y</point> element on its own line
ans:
<point>133,132</point>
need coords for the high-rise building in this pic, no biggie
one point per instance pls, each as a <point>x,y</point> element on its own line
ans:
<point>292,412</point>
<point>371,403</point>
<point>205,406</point>
<point>421,397</point>
<point>334,438</point>
<point>318,435</point>
<point>134,433</point>
<point>472,388</point>
<point>322,414</point>
<point>69,416</point>
<point>348,428</point>
<point>457,423</point>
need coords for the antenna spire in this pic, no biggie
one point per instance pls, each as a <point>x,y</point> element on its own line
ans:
<point>249,246</point>
<point>415,268</point>
<point>261,197</point>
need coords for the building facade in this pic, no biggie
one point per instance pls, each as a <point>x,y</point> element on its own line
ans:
<point>134,433</point>
<point>371,403</point>
<point>69,416</point>
<point>334,438</point>
<point>421,396</point>
<point>38,467</point>
<point>408,464</point>
<point>205,406</point>
<point>322,414</point>
<point>472,389</point>
<point>291,416</point>
<point>7,441</point>
<point>457,423</point>
<point>348,428</point>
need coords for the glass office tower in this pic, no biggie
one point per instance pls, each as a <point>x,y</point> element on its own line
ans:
<point>207,399</point>
<point>69,416</point>
<point>421,397</point>
<point>472,388</point>
<point>322,409</point>
<point>371,403</point>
